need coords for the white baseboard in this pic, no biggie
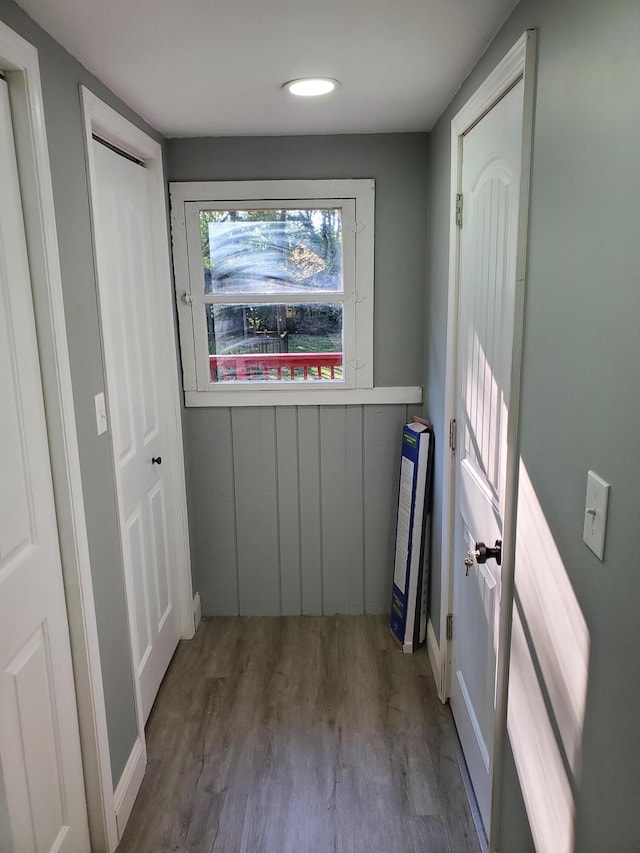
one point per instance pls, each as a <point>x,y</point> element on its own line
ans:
<point>434,653</point>
<point>127,789</point>
<point>197,610</point>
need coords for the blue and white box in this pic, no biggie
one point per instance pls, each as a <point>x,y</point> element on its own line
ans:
<point>409,595</point>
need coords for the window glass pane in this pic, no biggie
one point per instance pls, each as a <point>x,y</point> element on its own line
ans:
<point>275,343</point>
<point>271,251</point>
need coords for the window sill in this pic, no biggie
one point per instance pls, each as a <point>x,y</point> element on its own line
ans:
<point>304,397</point>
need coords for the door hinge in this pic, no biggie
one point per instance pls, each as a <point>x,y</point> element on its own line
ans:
<point>453,434</point>
<point>459,209</point>
<point>449,626</point>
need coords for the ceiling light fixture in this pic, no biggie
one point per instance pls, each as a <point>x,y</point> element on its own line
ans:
<point>309,87</point>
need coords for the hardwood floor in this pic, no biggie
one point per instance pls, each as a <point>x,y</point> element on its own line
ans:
<point>299,735</point>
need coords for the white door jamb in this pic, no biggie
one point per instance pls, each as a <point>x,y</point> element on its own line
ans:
<point>518,63</point>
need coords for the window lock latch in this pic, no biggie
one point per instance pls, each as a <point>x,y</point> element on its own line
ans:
<point>187,298</point>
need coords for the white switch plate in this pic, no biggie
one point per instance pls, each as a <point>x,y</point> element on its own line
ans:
<point>101,413</point>
<point>595,513</point>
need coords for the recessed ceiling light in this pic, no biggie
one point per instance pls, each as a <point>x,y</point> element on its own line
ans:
<point>310,86</point>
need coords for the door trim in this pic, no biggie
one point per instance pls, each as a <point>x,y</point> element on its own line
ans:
<point>105,122</point>
<point>518,63</point>
<point>19,61</point>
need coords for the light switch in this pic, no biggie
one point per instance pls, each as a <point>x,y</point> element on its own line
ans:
<point>101,413</point>
<point>595,513</point>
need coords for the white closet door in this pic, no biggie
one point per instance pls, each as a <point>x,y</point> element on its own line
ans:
<point>39,740</point>
<point>135,354</point>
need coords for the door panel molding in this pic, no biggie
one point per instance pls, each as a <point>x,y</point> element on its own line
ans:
<point>19,61</point>
<point>518,64</point>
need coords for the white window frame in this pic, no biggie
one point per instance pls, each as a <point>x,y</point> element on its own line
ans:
<point>356,198</point>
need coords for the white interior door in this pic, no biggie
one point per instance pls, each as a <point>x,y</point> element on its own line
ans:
<point>39,740</point>
<point>491,164</point>
<point>136,355</point>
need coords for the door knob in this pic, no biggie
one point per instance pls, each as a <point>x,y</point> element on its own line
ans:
<point>156,460</point>
<point>482,553</point>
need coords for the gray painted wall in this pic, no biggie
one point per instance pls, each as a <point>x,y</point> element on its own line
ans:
<point>61,76</point>
<point>332,470</point>
<point>6,836</point>
<point>580,400</point>
<point>293,509</point>
<point>398,162</point>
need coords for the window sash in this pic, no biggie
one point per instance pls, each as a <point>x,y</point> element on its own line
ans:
<point>198,299</point>
<point>347,207</point>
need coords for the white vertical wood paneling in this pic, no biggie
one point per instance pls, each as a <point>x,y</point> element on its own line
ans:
<point>312,494</point>
<point>310,487</point>
<point>333,461</point>
<point>212,510</point>
<point>288,510</point>
<point>254,465</point>
<point>352,600</point>
<point>342,544</point>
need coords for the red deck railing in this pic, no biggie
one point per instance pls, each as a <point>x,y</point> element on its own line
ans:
<point>274,366</point>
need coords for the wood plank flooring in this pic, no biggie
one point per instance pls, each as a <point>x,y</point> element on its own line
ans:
<point>299,735</point>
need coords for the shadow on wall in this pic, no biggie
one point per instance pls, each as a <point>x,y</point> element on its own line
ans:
<point>548,676</point>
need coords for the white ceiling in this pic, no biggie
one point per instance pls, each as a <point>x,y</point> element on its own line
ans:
<point>213,68</point>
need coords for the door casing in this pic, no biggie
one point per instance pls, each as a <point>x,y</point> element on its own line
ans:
<point>519,63</point>
<point>108,124</point>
